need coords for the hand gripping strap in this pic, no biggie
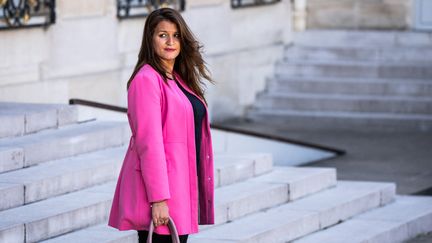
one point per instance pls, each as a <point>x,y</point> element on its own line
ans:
<point>171,226</point>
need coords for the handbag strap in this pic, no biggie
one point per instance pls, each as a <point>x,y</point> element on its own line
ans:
<point>171,226</point>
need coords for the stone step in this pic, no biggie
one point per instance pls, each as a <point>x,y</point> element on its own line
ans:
<point>358,86</point>
<point>354,69</point>
<point>24,118</point>
<point>304,216</point>
<point>235,167</point>
<point>283,184</point>
<point>301,181</point>
<point>402,220</point>
<point>62,176</point>
<point>363,38</point>
<point>366,121</point>
<point>344,102</point>
<point>51,217</point>
<point>66,172</point>
<point>74,173</point>
<point>234,201</point>
<point>99,233</point>
<point>11,194</point>
<point>367,53</point>
<point>66,141</point>
<point>243,198</point>
<point>11,158</point>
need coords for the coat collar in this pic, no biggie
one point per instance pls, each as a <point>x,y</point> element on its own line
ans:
<point>186,87</point>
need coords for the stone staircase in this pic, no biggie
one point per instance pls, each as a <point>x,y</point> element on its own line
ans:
<point>57,181</point>
<point>351,79</point>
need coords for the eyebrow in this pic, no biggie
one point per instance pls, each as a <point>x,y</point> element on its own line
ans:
<point>167,31</point>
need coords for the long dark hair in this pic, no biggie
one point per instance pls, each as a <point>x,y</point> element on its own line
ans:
<point>189,64</point>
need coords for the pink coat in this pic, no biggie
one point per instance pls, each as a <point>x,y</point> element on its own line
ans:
<point>160,161</point>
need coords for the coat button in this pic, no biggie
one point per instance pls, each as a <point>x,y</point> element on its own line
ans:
<point>209,178</point>
<point>208,156</point>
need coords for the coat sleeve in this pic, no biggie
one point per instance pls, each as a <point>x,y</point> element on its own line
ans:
<point>144,109</point>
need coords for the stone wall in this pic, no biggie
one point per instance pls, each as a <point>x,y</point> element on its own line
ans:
<point>90,54</point>
<point>359,14</point>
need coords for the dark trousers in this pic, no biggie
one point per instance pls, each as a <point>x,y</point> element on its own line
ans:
<point>142,237</point>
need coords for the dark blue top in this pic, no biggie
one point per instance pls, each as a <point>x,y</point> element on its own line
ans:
<point>199,113</point>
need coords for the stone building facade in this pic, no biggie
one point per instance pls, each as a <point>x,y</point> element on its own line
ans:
<point>359,14</point>
<point>89,53</point>
<point>365,14</point>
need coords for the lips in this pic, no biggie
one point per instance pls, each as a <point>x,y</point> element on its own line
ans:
<point>169,49</point>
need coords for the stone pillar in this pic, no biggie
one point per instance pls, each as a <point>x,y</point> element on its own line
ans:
<point>299,14</point>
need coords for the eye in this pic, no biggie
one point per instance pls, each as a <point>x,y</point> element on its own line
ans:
<point>177,35</point>
<point>163,35</point>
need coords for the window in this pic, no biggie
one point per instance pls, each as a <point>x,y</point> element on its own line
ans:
<point>28,13</point>
<point>142,8</point>
<point>250,3</point>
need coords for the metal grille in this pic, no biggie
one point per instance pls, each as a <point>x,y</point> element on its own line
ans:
<point>26,13</point>
<point>251,3</point>
<point>142,8</point>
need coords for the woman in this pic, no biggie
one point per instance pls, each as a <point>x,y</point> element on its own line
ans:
<point>168,167</point>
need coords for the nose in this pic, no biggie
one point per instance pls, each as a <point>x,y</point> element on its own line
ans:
<point>170,40</point>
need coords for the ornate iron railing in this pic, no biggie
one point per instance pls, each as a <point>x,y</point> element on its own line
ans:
<point>142,8</point>
<point>26,13</point>
<point>250,3</point>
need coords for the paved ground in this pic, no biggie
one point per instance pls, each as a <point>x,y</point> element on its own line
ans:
<point>422,239</point>
<point>401,157</point>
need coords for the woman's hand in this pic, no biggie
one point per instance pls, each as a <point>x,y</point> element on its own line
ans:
<point>160,213</point>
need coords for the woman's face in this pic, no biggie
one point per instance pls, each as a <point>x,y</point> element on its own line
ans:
<point>166,41</point>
